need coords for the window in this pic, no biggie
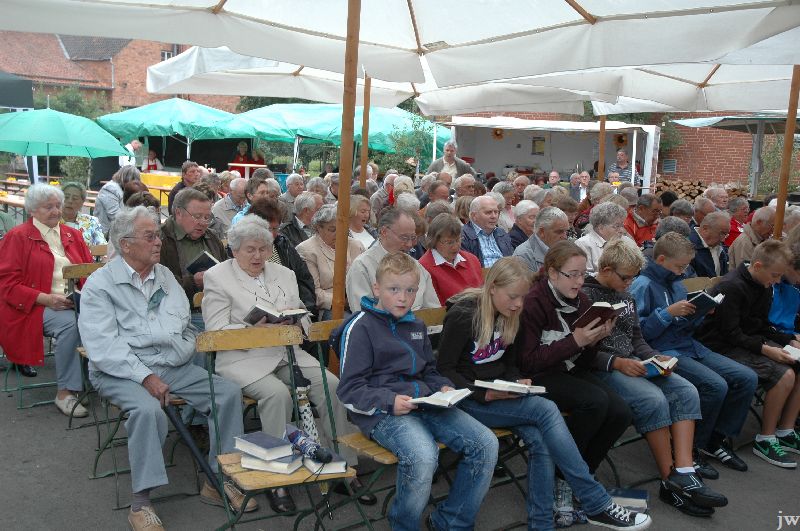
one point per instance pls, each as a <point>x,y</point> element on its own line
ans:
<point>670,166</point>
<point>166,55</point>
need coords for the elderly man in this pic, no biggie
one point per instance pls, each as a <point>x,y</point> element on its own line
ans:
<point>519,186</point>
<point>397,233</point>
<point>333,189</point>
<point>357,173</point>
<point>257,188</point>
<point>190,174</point>
<point>481,236</point>
<point>579,187</point>
<point>759,229</point>
<point>710,256</point>
<point>298,229</point>
<point>437,191</point>
<point>134,323</point>
<point>464,186</point>
<point>450,163</point>
<point>551,226</point>
<point>295,185</point>
<point>380,199</point>
<point>703,206</point>
<point>525,213</point>
<point>132,148</point>
<point>553,179</point>
<point>621,170</point>
<point>682,209</point>
<point>739,209</point>
<point>226,208</point>
<point>719,196</point>
<point>642,221</point>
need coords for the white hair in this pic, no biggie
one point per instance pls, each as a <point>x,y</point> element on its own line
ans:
<point>503,187</point>
<point>250,227</point>
<point>523,207</point>
<point>497,196</point>
<point>317,184</point>
<point>305,200</point>
<point>403,183</point>
<point>605,214</point>
<point>124,226</point>
<point>458,183</point>
<point>293,178</point>
<point>530,191</point>
<point>547,216</point>
<point>407,202</point>
<point>237,182</point>
<point>272,185</point>
<point>39,193</point>
<point>451,143</point>
<point>475,204</point>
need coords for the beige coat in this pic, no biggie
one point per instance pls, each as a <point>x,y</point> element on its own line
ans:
<point>319,259</point>
<point>228,295</point>
<point>742,248</point>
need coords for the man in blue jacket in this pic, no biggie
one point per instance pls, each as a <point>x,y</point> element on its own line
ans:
<point>710,254</point>
<point>481,236</point>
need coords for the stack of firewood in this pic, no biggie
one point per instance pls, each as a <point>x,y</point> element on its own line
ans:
<point>737,190</point>
<point>684,189</point>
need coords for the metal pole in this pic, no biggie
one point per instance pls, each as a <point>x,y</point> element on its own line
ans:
<point>756,166</point>
<point>362,180</point>
<point>633,159</point>
<point>435,130</point>
<point>788,144</point>
<point>601,155</point>
<point>295,153</point>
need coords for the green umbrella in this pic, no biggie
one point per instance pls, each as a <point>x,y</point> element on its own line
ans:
<point>46,132</point>
<point>164,118</point>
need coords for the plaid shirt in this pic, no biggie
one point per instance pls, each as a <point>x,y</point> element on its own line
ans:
<point>489,248</point>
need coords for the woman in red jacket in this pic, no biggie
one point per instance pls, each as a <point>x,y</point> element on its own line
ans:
<point>32,291</point>
<point>452,269</point>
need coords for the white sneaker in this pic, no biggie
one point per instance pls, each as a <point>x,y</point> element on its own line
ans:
<point>65,405</point>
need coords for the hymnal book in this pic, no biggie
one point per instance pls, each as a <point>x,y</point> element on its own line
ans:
<point>633,499</point>
<point>202,262</point>
<point>261,310</point>
<point>266,447</point>
<point>336,466</point>
<point>442,399</point>
<point>511,387</point>
<point>604,310</point>
<point>657,367</point>
<point>792,351</point>
<point>704,303</point>
<point>282,465</point>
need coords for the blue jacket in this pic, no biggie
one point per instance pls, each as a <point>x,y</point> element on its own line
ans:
<point>518,237</point>
<point>702,263</point>
<point>382,357</point>
<point>470,242</point>
<point>653,290</point>
<point>785,305</point>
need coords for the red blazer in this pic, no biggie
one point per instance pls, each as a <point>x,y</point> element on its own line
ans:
<point>640,234</point>
<point>737,228</point>
<point>26,269</point>
<point>448,280</point>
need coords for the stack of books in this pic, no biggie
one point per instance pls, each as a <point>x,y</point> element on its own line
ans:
<point>264,452</point>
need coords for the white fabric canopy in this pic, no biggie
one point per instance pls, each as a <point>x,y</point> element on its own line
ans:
<point>508,122</point>
<point>464,41</point>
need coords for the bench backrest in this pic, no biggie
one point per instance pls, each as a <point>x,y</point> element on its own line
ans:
<point>247,338</point>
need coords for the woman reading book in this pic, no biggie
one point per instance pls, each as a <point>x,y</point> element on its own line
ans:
<point>491,316</point>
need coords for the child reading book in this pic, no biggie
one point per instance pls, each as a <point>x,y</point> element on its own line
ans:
<point>386,360</point>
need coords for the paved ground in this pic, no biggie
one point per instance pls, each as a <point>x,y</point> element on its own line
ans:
<point>45,485</point>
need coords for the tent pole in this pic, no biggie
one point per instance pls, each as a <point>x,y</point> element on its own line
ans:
<point>788,144</point>
<point>633,158</point>
<point>756,166</point>
<point>188,149</point>
<point>295,153</point>
<point>435,130</point>
<point>601,155</point>
<point>345,168</point>
<point>362,180</point>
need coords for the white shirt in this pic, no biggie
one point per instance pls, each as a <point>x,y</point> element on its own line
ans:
<point>438,259</point>
<point>364,237</point>
<point>52,235</point>
<point>582,192</point>
<point>146,286</point>
<point>715,251</point>
<point>129,160</point>
<point>450,169</point>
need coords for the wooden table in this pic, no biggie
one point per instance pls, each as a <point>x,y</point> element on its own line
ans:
<point>246,167</point>
<point>17,203</point>
<point>163,193</point>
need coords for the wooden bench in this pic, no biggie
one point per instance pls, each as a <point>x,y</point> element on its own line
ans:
<point>99,251</point>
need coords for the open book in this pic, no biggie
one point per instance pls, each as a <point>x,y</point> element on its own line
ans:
<point>657,367</point>
<point>603,310</point>
<point>704,303</point>
<point>793,352</point>
<point>511,387</point>
<point>443,399</point>
<point>202,262</point>
<point>261,310</point>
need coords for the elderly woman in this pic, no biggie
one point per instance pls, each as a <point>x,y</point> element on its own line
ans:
<point>230,291</point>
<point>607,221</point>
<point>109,198</point>
<point>461,208</point>
<point>403,184</point>
<point>509,194</point>
<point>32,289</point>
<point>597,192</point>
<point>525,216</point>
<point>74,196</point>
<point>360,214</point>
<point>452,269</point>
<point>318,253</point>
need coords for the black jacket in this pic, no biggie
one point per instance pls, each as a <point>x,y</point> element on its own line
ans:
<point>305,282</point>
<point>173,259</point>
<point>292,231</point>
<point>703,263</point>
<point>517,236</point>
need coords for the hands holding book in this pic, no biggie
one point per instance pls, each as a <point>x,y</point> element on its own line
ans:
<point>779,354</point>
<point>629,367</point>
<point>264,323</point>
<point>593,332</point>
<point>492,394</point>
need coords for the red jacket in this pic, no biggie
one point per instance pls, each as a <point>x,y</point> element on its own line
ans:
<point>449,280</point>
<point>736,229</point>
<point>639,234</point>
<point>241,159</point>
<point>26,269</point>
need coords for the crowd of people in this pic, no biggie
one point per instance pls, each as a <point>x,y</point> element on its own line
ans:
<point>515,264</point>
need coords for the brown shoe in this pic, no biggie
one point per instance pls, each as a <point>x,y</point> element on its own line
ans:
<point>145,520</point>
<point>209,495</point>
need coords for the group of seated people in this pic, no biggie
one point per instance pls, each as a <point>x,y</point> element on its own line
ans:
<point>518,292</point>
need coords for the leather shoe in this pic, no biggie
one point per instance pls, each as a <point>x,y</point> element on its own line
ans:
<point>355,485</point>
<point>26,370</point>
<point>281,500</point>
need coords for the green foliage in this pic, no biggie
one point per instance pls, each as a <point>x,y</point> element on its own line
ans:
<point>71,100</point>
<point>413,143</point>
<point>75,169</point>
<point>248,103</point>
<point>771,156</point>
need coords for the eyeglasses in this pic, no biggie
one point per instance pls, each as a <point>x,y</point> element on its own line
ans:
<point>450,243</point>
<point>625,278</point>
<point>405,238</point>
<point>573,275</point>
<point>147,236</point>
<point>199,219</point>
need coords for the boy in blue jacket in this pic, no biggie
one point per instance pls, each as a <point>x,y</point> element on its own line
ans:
<point>725,386</point>
<point>386,360</point>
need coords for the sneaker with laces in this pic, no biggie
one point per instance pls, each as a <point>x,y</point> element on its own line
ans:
<point>145,520</point>
<point>790,443</point>
<point>703,467</point>
<point>209,495</point>
<point>71,406</point>
<point>691,486</point>
<point>562,504</point>
<point>618,517</point>
<point>682,503</point>
<point>772,452</point>
<point>726,456</point>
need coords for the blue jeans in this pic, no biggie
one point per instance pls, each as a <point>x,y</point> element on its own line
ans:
<point>412,438</point>
<point>540,425</point>
<point>726,388</point>
<point>655,402</point>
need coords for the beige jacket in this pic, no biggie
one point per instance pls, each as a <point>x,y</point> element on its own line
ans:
<point>743,246</point>
<point>319,259</point>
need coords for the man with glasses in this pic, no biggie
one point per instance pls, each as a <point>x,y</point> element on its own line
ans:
<point>642,221</point>
<point>190,174</point>
<point>551,227</point>
<point>481,236</point>
<point>397,234</point>
<point>710,255</point>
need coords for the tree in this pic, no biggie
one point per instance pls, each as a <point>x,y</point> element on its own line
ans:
<point>248,103</point>
<point>771,156</point>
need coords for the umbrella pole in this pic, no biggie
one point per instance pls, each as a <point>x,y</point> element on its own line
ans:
<point>345,169</point>
<point>601,155</point>
<point>362,179</point>
<point>633,158</point>
<point>788,144</point>
<point>295,153</point>
<point>756,166</point>
<point>435,130</point>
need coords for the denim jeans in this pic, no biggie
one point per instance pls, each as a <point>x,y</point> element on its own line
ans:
<point>412,438</point>
<point>542,428</point>
<point>656,402</point>
<point>726,389</point>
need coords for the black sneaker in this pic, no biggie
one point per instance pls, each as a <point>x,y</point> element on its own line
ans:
<point>790,443</point>
<point>618,517</point>
<point>682,503</point>
<point>691,486</point>
<point>726,456</point>
<point>772,452</point>
<point>703,467</point>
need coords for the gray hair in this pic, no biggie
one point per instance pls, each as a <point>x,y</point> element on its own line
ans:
<point>520,177</point>
<point>530,191</point>
<point>791,218</point>
<point>72,184</point>
<point>333,178</point>
<point>451,143</point>
<point>125,175</point>
<point>212,180</point>
<point>325,214</point>
<point>403,183</point>
<point>407,202</point>
<point>249,228</point>
<point>463,179</point>
<point>700,202</point>
<point>390,216</point>
<point>39,193</point>
<point>617,200</point>
<point>606,214</point>
<point>540,196</point>
<point>547,216</point>
<point>673,224</point>
<point>501,201</point>
<point>273,185</point>
<point>717,216</point>
<point>426,181</point>
<point>316,184</point>
<point>599,191</point>
<point>735,203</point>
<point>647,200</point>
<point>763,214</point>
<point>503,187</point>
<point>237,182</point>
<point>372,187</point>
<point>714,191</point>
<point>124,226</point>
<point>475,204</point>
<point>631,195</point>
<point>293,178</point>
<point>523,207</point>
<point>305,200</point>
<point>186,196</point>
<point>437,207</point>
<point>681,207</point>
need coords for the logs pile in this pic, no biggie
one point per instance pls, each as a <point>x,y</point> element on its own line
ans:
<point>690,189</point>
